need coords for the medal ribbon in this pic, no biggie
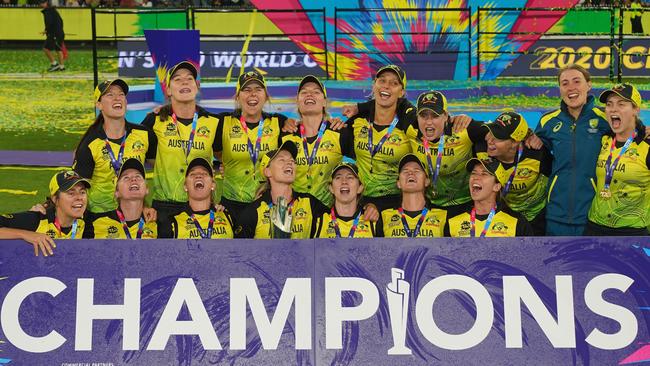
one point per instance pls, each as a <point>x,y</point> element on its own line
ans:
<point>203,233</point>
<point>506,189</point>
<point>190,141</point>
<point>486,227</point>
<point>305,146</point>
<point>609,166</point>
<point>441,146</point>
<point>414,233</point>
<point>373,150</point>
<point>116,163</point>
<point>73,231</point>
<point>254,152</point>
<point>125,226</point>
<point>355,223</point>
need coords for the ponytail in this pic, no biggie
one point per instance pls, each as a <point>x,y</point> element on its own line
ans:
<point>99,120</point>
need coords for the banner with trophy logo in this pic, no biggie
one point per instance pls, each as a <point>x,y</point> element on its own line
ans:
<point>562,301</point>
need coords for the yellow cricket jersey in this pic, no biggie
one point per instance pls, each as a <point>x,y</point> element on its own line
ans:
<point>315,178</point>
<point>326,227</point>
<point>93,161</point>
<point>171,158</point>
<point>184,227</point>
<point>107,225</point>
<point>240,178</point>
<point>255,220</point>
<point>452,186</point>
<point>505,223</point>
<point>391,223</point>
<point>528,191</point>
<point>44,224</point>
<point>629,204</point>
<point>379,172</point>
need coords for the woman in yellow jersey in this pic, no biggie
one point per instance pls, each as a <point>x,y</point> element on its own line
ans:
<point>127,221</point>
<point>63,219</point>
<point>621,205</point>
<point>320,148</point>
<point>345,218</point>
<point>527,170</point>
<point>413,216</point>
<point>489,216</point>
<point>279,212</point>
<point>108,142</point>
<point>244,136</point>
<point>379,137</point>
<point>199,220</point>
<point>184,131</point>
<point>444,150</point>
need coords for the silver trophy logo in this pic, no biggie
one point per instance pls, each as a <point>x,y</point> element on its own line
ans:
<point>397,292</point>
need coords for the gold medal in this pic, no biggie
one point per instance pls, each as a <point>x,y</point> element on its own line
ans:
<point>606,193</point>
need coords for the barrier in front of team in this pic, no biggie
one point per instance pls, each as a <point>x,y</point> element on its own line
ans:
<point>563,301</point>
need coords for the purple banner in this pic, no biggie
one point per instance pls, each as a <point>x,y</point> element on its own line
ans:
<point>167,48</point>
<point>582,301</point>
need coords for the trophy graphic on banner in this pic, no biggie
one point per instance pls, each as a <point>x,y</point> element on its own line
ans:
<point>281,219</point>
<point>397,293</point>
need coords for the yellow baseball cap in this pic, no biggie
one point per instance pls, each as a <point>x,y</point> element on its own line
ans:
<point>626,91</point>
<point>102,87</point>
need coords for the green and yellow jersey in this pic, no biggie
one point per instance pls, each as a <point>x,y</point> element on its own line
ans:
<point>528,191</point>
<point>183,226</point>
<point>107,225</point>
<point>44,224</point>
<point>314,179</point>
<point>255,220</point>
<point>395,223</point>
<point>379,171</point>
<point>326,226</point>
<point>452,186</point>
<point>240,180</point>
<point>94,161</point>
<point>171,151</point>
<point>505,223</point>
<point>629,204</point>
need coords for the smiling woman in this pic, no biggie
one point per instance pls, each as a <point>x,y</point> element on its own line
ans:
<point>107,143</point>
<point>63,219</point>
<point>379,137</point>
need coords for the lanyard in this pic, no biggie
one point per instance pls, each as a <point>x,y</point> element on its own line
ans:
<point>254,152</point>
<point>125,226</point>
<point>190,141</point>
<point>486,227</point>
<point>441,146</point>
<point>305,147</point>
<point>73,231</point>
<point>373,150</point>
<point>506,189</point>
<point>116,163</point>
<point>203,233</point>
<point>355,223</point>
<point>414,233</point>
<point>609,166</point>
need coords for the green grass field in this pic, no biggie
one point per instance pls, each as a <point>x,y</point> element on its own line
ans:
<point>50,111</point>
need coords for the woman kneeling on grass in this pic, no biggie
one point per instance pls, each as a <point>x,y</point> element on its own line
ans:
<point>63,220</point>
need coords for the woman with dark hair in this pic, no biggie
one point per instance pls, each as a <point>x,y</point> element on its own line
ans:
<point>621,205</point>
<point>489,215</point>
<point>62,220</point>
<point>107,143</point>
<point>184,131</point>
<point>379,137</point>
